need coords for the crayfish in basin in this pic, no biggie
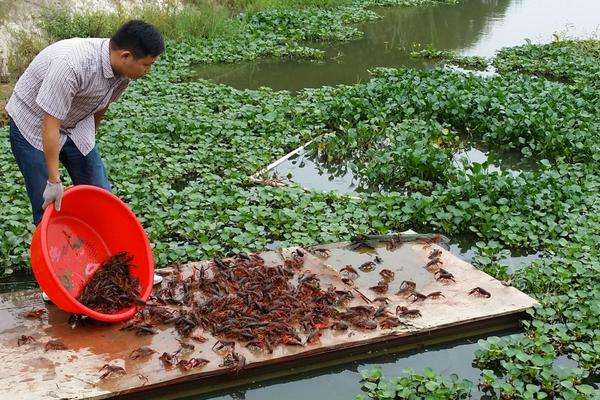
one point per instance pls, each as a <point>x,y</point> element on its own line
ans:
<point>112,288</point>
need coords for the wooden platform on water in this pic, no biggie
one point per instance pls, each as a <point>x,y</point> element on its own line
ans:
<point>28,371</point>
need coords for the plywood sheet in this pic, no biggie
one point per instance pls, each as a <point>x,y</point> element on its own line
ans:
<point>28,371</point>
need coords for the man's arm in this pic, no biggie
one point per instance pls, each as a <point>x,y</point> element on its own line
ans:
<point>98,117</point>
<point>54,98</point>
<point>50,141</point>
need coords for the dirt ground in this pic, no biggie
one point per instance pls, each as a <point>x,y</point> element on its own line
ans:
<point>5,91</point>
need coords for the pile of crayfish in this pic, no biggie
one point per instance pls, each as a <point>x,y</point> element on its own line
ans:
<point>112,288</point>
<point>244,300</point>
<point>241,300</point>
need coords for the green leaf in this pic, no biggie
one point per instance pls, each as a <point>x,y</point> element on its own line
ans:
<point>585,389</point>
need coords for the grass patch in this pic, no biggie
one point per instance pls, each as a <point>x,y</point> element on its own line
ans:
<point>200,21</point>
<point>237,6</point>
<point>23,48</point>
<point>5,91</point>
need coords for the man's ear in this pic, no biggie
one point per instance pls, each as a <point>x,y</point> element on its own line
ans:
<point>126,54</point>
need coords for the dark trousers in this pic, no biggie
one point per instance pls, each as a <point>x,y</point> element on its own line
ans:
<point>83,170</point>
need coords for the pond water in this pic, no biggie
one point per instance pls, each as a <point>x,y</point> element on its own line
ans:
<point>463,247</point>
<point>343,382</point>
<point>20,280</point>
<point>305,169</point>
<point>472,27</point>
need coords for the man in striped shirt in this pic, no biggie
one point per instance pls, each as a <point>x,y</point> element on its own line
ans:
<point>59,101</point>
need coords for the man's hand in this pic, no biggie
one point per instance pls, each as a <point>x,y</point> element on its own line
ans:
<point>53,194</point>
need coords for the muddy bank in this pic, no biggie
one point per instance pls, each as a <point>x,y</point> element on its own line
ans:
<point>5,91</point>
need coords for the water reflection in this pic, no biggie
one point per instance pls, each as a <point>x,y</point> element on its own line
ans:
<point>537,21</point>
<point>463,246</point>
<point>472,27</point>
<point>342,382</point>
<point>387,42</point>
<point>20,280</point>
<point>305,169</point>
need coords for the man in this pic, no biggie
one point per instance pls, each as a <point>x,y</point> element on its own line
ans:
<point>59,101</point>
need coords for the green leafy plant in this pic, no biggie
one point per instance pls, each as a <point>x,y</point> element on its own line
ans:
<point>450,56</point>
<point>180,153</point>
<point>413,386</point>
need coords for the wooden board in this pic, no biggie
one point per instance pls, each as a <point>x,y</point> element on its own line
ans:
<point>28,371</point>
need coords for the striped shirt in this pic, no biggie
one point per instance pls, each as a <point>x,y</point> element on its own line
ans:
<point>71,80</point>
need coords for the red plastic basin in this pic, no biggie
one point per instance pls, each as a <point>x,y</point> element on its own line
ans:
<point>68,246</point>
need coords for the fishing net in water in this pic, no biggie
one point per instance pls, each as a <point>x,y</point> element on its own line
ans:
<point>112,288</point>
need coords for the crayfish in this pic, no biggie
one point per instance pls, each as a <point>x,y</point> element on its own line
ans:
<point>406,288</point>
<point>141,352</point>
<point>387,275</point>
<point>111,370</point>
<point>349,272</point>
<point>112,287</point>
<point>320,252</point>
<point>360,242</point>
<point>35,314</point>
<point>381,287</point>
<point>186,365</point>
<point>435,253</point>
<point>169,359</point>
<point>55,345</point>
<point>368,266</point>
<point>222,346</point>
<point>443,275</point>
<point>233,360</point>
<point>479,292</point>
<point>420,296</point>
<point>390,322</point>
<point>381,311</point>
<point>406,312</point>
<point>433,264</point>
<point>24,339</point>
<point>339,326</point>
<point>382,299</point>
<point>140,329</point>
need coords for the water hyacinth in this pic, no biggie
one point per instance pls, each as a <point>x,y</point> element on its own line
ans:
<point>181,154</point>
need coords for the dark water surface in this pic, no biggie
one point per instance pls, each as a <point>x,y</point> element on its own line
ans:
<point>472,27</point>
<point>342,382</point>
<point>305,169</point>
<point>20,280</point>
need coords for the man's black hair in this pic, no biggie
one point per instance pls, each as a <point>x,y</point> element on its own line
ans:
<point>139,37</point>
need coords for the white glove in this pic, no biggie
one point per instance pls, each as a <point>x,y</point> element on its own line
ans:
<point>53,193</point>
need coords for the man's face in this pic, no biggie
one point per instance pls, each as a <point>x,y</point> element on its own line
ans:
<point>132,67</point>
